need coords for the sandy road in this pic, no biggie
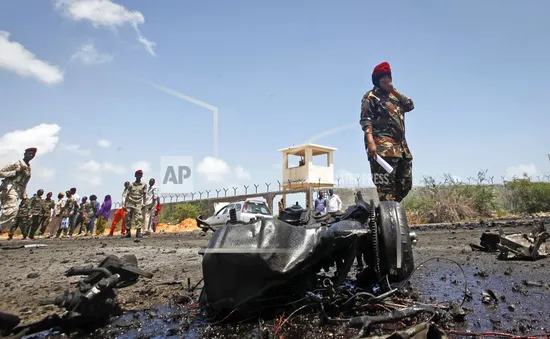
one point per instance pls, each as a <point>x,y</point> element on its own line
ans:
<point>173,257</point>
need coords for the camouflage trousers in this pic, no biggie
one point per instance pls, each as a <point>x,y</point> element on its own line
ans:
<point>10,206</point>
<point>36,222</point>
<point>392,186</point>
<point>24,223</point>
<point>134,217</point>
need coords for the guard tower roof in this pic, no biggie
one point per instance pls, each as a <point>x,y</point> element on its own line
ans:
<point>315,149</point>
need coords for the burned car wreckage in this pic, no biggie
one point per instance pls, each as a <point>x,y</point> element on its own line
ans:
<point>245,264</point>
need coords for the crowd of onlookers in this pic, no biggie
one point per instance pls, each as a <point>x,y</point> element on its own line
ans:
<point>69,215</point>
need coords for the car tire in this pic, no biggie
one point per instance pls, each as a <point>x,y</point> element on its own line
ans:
<point>395,247</point>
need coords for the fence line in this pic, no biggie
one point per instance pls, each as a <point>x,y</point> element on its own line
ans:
<point>482,179</point>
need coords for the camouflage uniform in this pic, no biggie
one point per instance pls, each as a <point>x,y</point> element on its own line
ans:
<point>87,215</point>
<point>16,175</point>
<point>66,212</point>
<point>134,205</point>
<point>37,214</point>
<point>48,206</point>
<point>383,115</point>
<point>22,220</point>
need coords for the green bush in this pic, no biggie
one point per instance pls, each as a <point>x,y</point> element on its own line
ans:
<point>527,196</point>
<point>452,200</point>
<point>175,213</point>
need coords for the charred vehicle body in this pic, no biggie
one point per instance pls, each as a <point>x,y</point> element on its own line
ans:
<point>245,264</point>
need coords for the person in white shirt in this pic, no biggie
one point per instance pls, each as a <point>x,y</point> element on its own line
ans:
<point>152,199</point>
<point>334,204</point>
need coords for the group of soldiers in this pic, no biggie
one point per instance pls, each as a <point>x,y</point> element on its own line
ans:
<point>39,215</point>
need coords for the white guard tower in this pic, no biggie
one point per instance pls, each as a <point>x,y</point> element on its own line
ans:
<point>307,175</point>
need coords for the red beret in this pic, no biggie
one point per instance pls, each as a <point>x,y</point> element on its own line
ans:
<point>139,172</point>
<point>31,149</point>
<point>49,193</point>
<point>381,69</point>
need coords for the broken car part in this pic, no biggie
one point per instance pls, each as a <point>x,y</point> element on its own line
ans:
<point>244,263</point>
<point>516,246</point>
<point>93,301</point>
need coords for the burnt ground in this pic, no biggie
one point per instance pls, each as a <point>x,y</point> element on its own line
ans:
<point>31,275</point>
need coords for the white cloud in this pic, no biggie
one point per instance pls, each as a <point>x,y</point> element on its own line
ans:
<point>76,149</point>
<point>89,55</point>
<point>44,173</point>
<point>117,169</point>
<point>98,168</point>
<point>107,14</point>
<point>241,173</point>
<point>91,172</point>
<point>148,44</point>
<point>16,58</point>
<point>13,144</point>
<point>521,169</point>
<point>90,166</point>
<point>213,169</point>
<point>104,143</point>
<point>94,180</point>
<point>142,165</point>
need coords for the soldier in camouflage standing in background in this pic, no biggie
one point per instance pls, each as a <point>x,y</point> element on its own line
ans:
<point>49,205</point>
<point>133,205</point>
<point>22,220</point>
<point>16,176</point>
<point>383,111</point>
<point>66,212</point>
<point>37,212</point>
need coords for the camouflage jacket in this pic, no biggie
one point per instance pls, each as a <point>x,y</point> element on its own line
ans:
<point>68,208</point>
<point>383,115</point>
<point>17,175</point>
<point>87,210</point>
<point>37,206</point>
<point>24,211</point>
<point>48,206</point>
<point>134,196</point>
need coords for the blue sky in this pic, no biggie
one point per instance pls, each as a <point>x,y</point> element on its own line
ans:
<point>280,73</point>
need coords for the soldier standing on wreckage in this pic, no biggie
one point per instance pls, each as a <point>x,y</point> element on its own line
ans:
<point>16,176</point>
<point>37,212</point>
<point>383,111</point>
<point>133,205</point>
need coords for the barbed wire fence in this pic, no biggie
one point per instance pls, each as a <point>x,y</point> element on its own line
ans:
<point>342,181</point>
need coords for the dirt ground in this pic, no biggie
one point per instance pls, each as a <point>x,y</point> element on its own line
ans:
<point>32,275</point>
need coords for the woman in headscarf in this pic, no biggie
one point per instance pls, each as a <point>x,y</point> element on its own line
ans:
<point>103,215</point>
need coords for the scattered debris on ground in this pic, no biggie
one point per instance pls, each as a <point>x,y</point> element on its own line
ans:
<point>92,303</point>
<point>516,246</point>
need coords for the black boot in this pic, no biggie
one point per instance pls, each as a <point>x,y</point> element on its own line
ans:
<point>128,234</point>
<point>138,234</point>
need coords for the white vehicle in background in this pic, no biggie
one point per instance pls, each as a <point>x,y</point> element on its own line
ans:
<point>245,211</point>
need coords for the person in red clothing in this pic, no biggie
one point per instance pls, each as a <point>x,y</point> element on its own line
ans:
<point>120,214</point>
<point>156,218</point>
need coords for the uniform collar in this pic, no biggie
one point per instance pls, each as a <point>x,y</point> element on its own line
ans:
<point>380,91</point>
